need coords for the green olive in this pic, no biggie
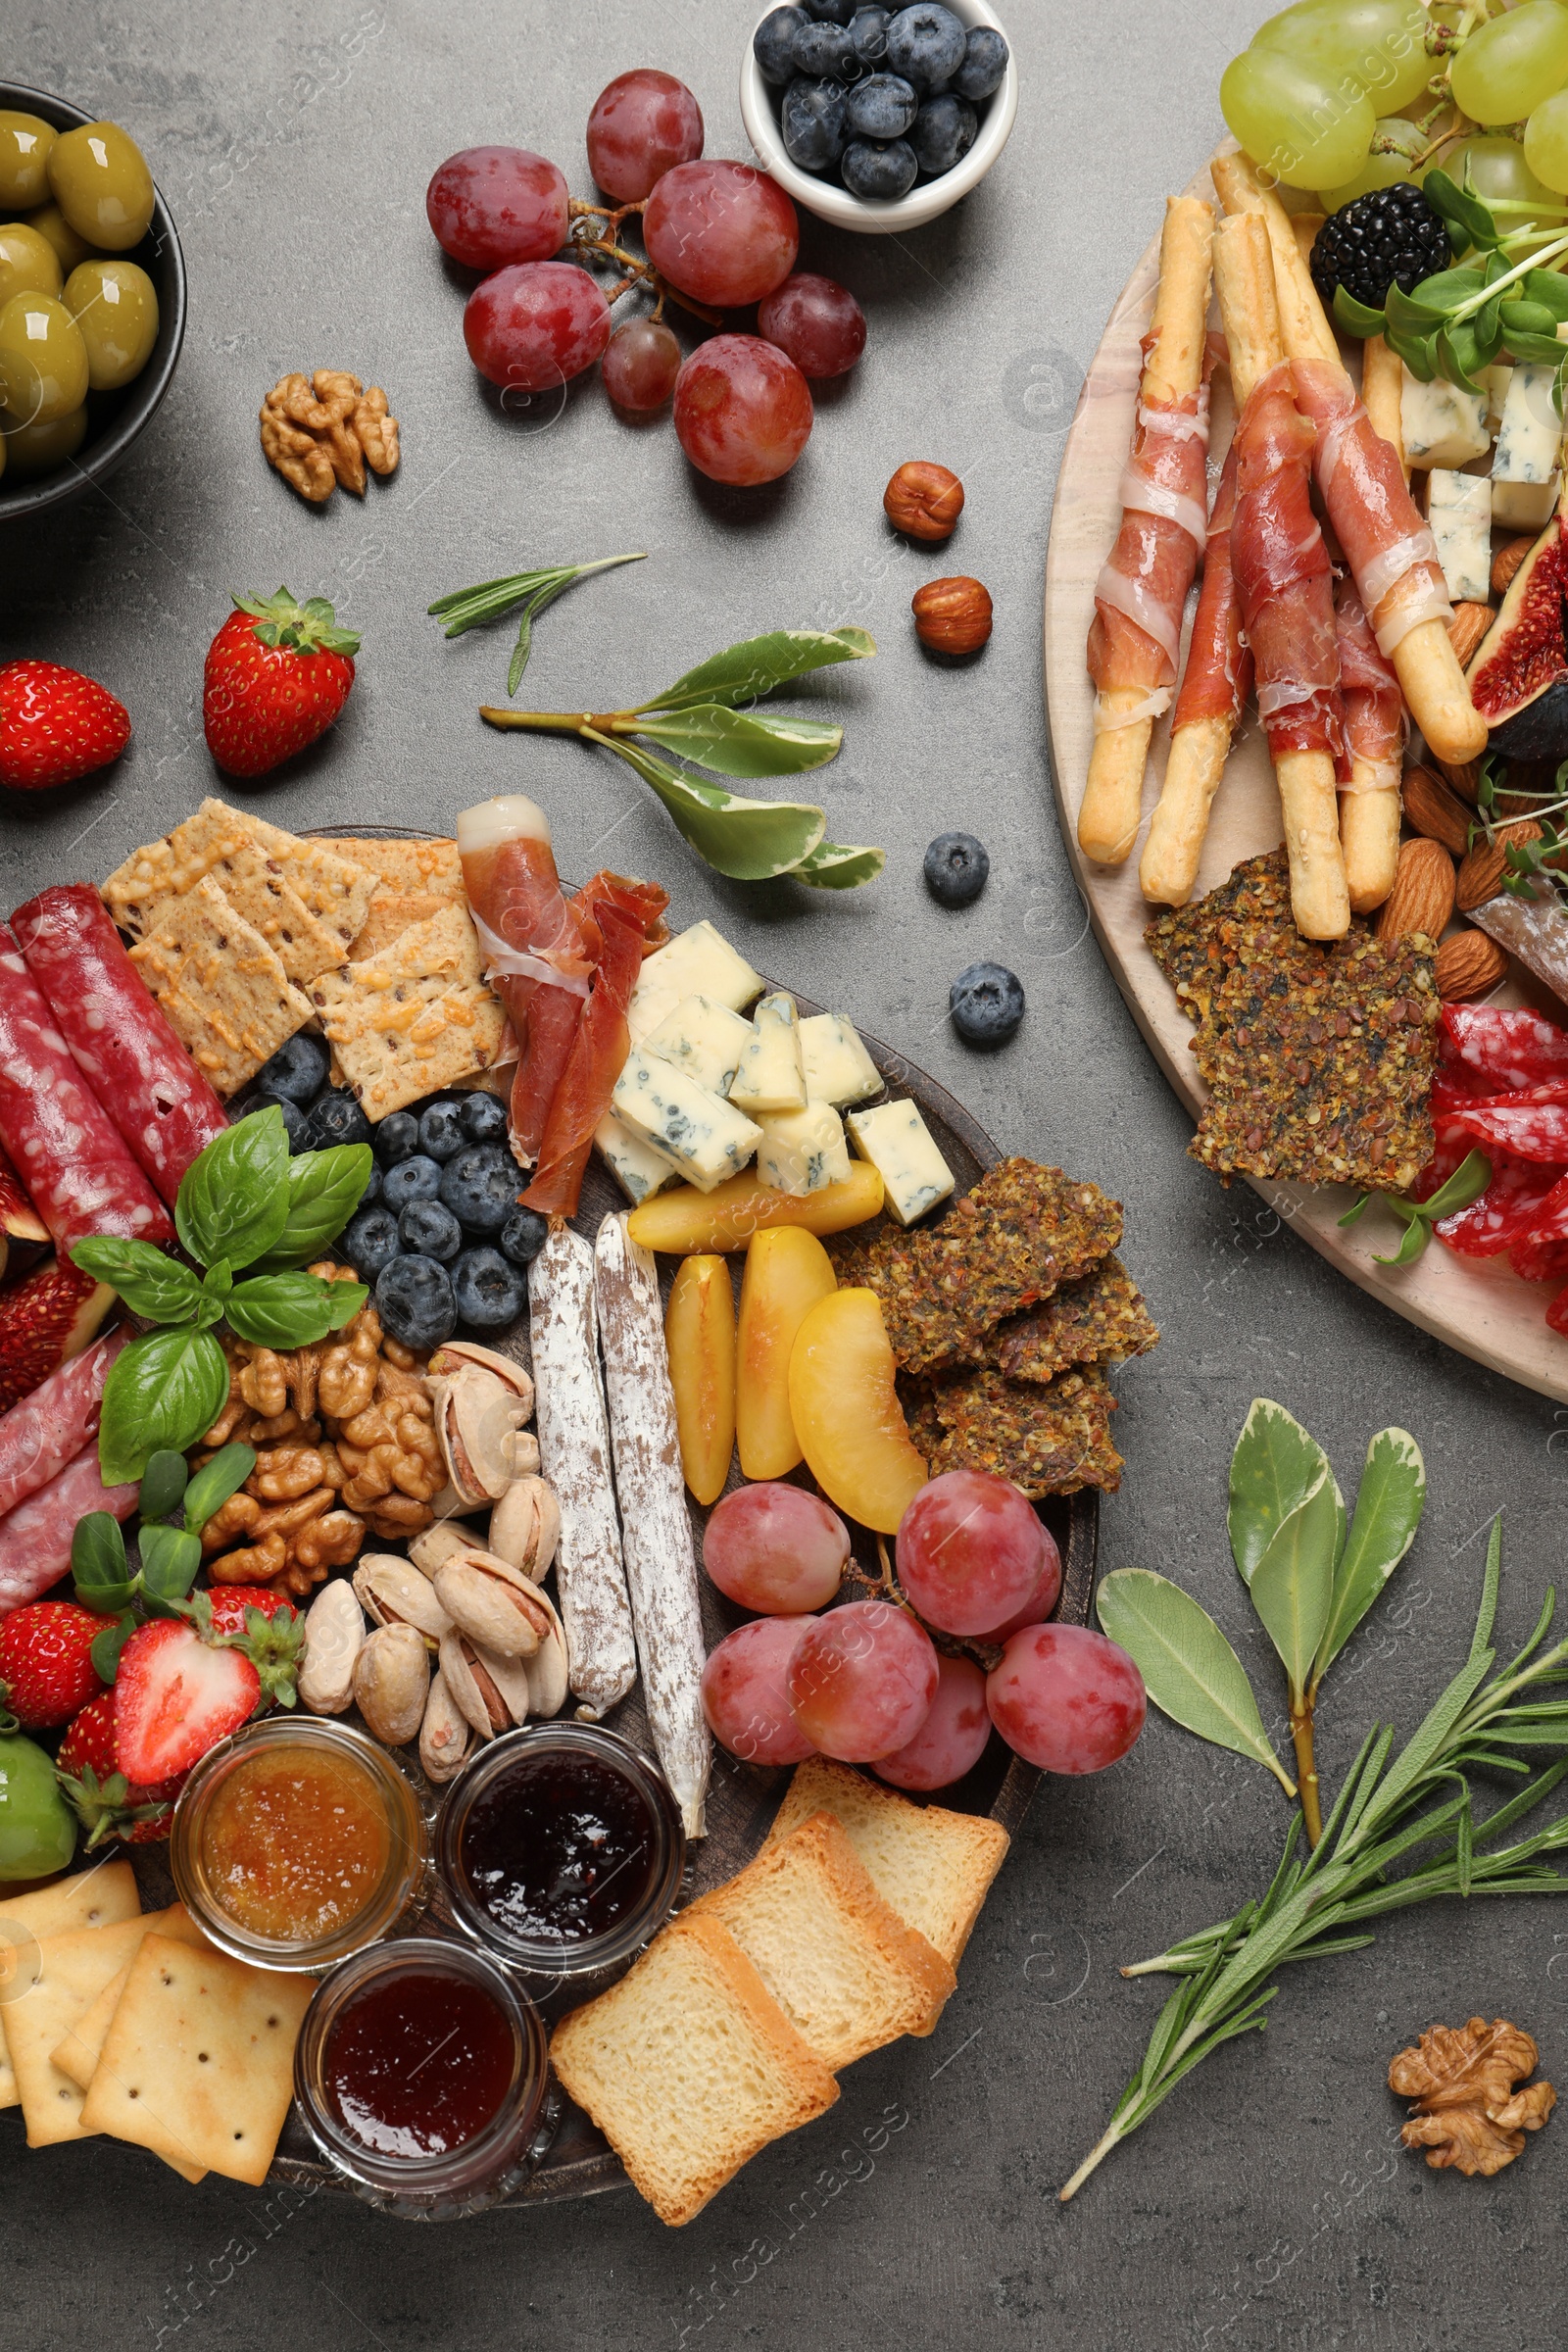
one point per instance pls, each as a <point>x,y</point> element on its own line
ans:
<point>116,306</point>
<point>33,449</point>
<point>24,144</point>
<point>51,223</point>
<point>98,176</point>
<point>29,262</point>
<point>43,360</point>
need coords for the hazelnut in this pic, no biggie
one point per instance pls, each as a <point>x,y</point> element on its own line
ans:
<point>923,501</point>
<point>953,615</point>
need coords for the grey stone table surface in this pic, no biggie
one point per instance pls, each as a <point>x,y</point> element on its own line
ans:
<point>1268,2204</point>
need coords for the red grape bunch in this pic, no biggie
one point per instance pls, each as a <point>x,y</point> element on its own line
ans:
<point>717,237</point>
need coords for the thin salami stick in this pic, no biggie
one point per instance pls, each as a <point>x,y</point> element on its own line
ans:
<point>35,1538</point>
<point>575,1456</point>
<point>660,1560</point>
<point>49,1427</point>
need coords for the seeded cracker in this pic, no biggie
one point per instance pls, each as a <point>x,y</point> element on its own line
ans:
<point>1098,1319</point>
<point>1196,946</point>
<point>1049,1440</point>
<point>415,1017</point>
<point>224,992</point>
<point>392,913</point>
<point>407,865</point>
<point>307,903</point>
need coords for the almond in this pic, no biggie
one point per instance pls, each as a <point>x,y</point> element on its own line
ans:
<point>1465,779</point>
<point>1469,964</point>
<point>1470,623</point>
<point>1481,875</point>
<point>1431,808</point>
<point>1422,897</point>
<point>1507,562</point>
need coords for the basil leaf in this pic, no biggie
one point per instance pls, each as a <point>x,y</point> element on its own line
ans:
<point>1292,1583</point>
<point>1189,1669</point>
<point>1275,1466</point>
<point>744,743</point>
<point>99,1568</point>
<point>170,1559</point>
<point>832,866</point>
<point>751,841</point>
<point>1387,1511</point>
<point>233,1197</point>
<point>323,1191</point>
<point>163,1484</point>
<point>107,1646</point>
<point>150,1284</point>
<point>166,1390</point>
<point>757,664</point>
<point>1356,317</point>
<point>214,1482</point>
<point>293,1311</point>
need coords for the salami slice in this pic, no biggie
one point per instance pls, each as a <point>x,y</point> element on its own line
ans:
<point>78,1171</point>
<point>1511,1207</point>
<point>35,1538</point>
<point>655,1525</point>
<point>50,1427</point>
<point>117,1034</point>
<point>1529,1130</point>
<point>1503,1049</point>
<point>575,1456</point>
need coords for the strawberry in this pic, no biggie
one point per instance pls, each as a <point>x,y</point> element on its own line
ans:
<point>175,1696</point>
<point>46,1668</point>
<point>262,1625</point>
<point>56,725</point>
<point>108,1805</point>
<point>277,675</point>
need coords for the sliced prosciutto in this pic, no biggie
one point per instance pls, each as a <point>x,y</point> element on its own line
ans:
<point>1391,554</point>
<point>597,1054</point>
<point>1219,678</point>
<point>1283,576</point>
<point>1134,637</point>
<point>533,949</point>
<point>1374,707</point>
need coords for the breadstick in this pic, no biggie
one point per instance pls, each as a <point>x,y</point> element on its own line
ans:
<point>1369,837</point>
<point>1303,322</point>
<point>1249,303</point>
<point>1168,872</point>
<point>1382,390</point>
<point>1172,381</point>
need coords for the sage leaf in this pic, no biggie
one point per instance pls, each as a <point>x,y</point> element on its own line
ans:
<point>744,743</point>
<point>751,841</point>
<point>151,1284</point>
<point>758,664</point>
<point>1292,1583</point>
<point>167,1388</point>
<point>832,866</point>
<point>162,1485</point>
<point>214,1482</point>
<point>1190,1670</point>
<point>323,1191</point>
<point>293,1311</point>
<point>1389,1504</point>
<point>233,1197</point>
<point>1273,1469</point>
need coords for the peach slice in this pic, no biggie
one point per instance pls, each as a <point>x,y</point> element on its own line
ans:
<point>700,1335</point>
<point>847,1413</point>
<point>727,1217</point>
<point>787,1272</point>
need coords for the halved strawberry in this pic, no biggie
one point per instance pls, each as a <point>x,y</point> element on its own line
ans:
<point>107,1803</point>
<point>175,1696</point>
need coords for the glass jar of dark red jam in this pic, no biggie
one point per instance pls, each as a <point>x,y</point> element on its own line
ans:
<point>421,2072</point>
<point>560,1849</point>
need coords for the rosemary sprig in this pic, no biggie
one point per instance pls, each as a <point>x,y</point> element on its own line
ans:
<point>1385,1810</point>
<point>470,608</point>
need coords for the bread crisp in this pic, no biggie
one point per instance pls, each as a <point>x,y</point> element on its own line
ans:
<point>222,990</point>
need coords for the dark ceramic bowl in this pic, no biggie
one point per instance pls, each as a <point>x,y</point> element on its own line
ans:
<point>114,420</point>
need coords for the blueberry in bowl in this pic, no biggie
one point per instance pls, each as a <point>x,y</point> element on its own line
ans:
<point>427,1229</point>
<point>441,1134</point>
<point>336,1118</point>
<point>297,1071</point>
<point>417,1178</point>
<point>370,1241</point>
<point>480,1187</point>
<point>415,1301</point>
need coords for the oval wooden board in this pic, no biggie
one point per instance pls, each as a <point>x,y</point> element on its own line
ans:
<point>1479,1306</point>
<point>743,1798</point>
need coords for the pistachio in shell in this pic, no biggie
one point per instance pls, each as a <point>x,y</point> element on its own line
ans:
<point>434,1545</point>
<point>454,1355</point>
<point>395,1593</point>
<point>334,1634</point>
<point>392,1683</point>
<point>525,1528</point>
<point>444,1735</point>
<point>491,1692</point>
<point>493,1602</point>
<point>478,1419</point>
<point>549,1668</point>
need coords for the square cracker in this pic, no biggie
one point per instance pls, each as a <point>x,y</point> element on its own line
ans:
<point>306,902</point>
<point>199,2059</point>
<point>413,1019</point>
<point>223,990</point>
<point>392,913</point>
<point>407,865</point>
<point>77,2053</point>
<point>93,1898</point>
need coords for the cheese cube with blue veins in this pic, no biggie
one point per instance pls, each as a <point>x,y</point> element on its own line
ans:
<point>698,963</point>
<point>1459,516</point>
<point>1526,468</point>
<point>1442,425</point>
<point>638,1166</point>
<point>802,1151</point>
<point>772,1072</point>
<point>898,1143</point>
<point>701,1132</point>
<point>838,1068</point>
<point>704,1038</point>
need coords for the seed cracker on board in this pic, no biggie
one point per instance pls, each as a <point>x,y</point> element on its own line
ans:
<point>222,990</point>
<point>1195,945</point>
<point>414,1018</point>
<point>1098,1319</point>
<point>392,913</point>
<point>1049,1439</point>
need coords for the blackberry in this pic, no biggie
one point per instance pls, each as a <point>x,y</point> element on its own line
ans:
<point>1389,236</point>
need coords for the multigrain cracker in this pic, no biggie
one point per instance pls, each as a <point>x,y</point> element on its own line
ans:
<point>224,993</point>
<point>1098,1319</point>
<point>407,865</point>
<point>307,903</point>
<point>392,913</point>
<point>1196,946</point>
<point>414,1017</point>
<point>1049,1439</point>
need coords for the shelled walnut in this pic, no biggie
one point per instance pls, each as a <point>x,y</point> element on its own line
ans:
<point>320,431</point>
<point>1471,2105</point>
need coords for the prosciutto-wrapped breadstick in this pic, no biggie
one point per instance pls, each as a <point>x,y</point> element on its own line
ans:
<point>1216,685</point>
<point>1135,638</point>
<point>1382,390</point>
<point>1390,553</point>
<point>1284,580</point>
<point>1374,734</point>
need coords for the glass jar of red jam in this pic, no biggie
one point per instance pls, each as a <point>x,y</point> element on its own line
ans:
<point>297,1841</point>
<point>560,1848</point>
<point>421,2072</point>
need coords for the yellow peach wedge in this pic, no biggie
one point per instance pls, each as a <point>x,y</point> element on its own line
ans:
<point>787,1273</point>
<point>847,1413</point>
<point>727,1217</point>
<point>700,1335</point>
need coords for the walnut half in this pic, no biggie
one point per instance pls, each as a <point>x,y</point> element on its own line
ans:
<point>325,429</point>
<point>1468,2112</point>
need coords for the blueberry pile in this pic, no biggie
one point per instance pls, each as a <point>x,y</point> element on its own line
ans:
<point>438,1233</point>
<point>878,97</point>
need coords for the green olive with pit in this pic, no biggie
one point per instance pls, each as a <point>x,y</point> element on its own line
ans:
<point>34,448</point>
<point>56,231</point>
<point>24,144</point>
<point>98,176</point>
<point>43,359</point>
<point>29,262</point>
<point>116,307</point>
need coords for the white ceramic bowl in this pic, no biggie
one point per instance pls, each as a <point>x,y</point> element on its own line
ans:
<point>927,198</point>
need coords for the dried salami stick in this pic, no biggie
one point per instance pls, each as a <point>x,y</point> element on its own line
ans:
<point>661,1561</point>
<point>575,1456</point>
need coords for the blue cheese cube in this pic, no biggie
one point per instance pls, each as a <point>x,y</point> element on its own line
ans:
<point>898,1143</point>
<point>699,1132</point>
<point>838,1068</point>
<point>1526,468</point>
<point>1441,424</point>
<point>704,1038</point>
<point>698,963</point>
<point>639,1167</point>
<point>1459,513</point>
<point>772,1072</point>
<point>802,1151</point>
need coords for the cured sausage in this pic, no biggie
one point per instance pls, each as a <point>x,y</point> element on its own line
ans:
<point>35,1537</point>
<point>657,1528</point>
<point>80,1177</point>
<point>575,1456</point>
<point>117,1034</point>
<point>50,1427</point>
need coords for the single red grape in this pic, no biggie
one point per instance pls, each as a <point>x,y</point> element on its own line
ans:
<point>951,1739</point>
<point>1065,1698</point>
<point>535,324</point>
<point>746,1693</point>
<point>493,205</point>
<point>970,1550</point>
<point>641,361</point>
<point>819,324</point>
<point>642,125</point>
<point>1041,1601</point>
<point>722,232</point>
<point>862,1680</point>
<point>743,410</point>
<point>775,1548</point>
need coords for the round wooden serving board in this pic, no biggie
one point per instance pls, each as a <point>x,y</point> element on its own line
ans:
<point>1479,1306</point>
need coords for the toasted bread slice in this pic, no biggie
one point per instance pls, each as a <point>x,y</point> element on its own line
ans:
<point>839,1960</point>
<point>689,2067</point>
<point>933,1867</point>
